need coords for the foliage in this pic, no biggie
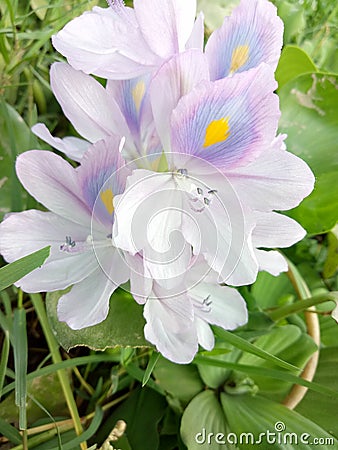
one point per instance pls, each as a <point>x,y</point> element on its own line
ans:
<point>74,400</point>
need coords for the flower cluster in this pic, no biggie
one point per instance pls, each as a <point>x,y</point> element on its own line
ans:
<point>180,170</point>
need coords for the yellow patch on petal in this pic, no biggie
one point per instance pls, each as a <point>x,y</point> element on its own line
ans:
<point>138,94</point>
<point>240,56</point>
<point>217,131</point>
<point>107,199</point>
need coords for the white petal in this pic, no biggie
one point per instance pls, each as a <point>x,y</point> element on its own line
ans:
<point>28,231</point>
<point>106,44</point>
<point>204,334</point>
<point>169,327</point>
<point>276,180</point>
<point>86,103</point>
<point>272,262</point>
<point>276,230</point>
<point>219,305</point>
<point>196,39</point>
<point>165,24</point>
<point>88,301</point>
<point>145,191</point>
<point>71,146</point>
<point>54,183</point>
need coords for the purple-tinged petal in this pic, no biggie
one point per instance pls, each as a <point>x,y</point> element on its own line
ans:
<point>251,35</point>
<point>272,262</point>
<point>166,25</point>
<point>276,230</point>
<point>227,122</point>
<point>102,175</point>
<point>86,103</point>
<point>196,39</point>
<point>132,97</point>
<point>276,180</point>
<point>174,79</point>
<point>71,146</point>
<point>170,328</point>
<point>28,231</point>
<point>53,182</point>
<point>104,43</point>
<point>87,303</point>
<point>219,305</point>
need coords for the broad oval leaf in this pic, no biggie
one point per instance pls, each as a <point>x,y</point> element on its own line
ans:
<point>203,416</point>
<point>251,418</point>
<point>310,119</point>
<point>293,62</point>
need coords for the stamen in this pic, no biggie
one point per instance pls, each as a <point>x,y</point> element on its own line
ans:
<point>199,191</point>
<point>68,245</point>
<point>182,172</point>
<point>206,201</point>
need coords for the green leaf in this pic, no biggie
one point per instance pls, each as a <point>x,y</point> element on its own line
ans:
<point>142,412</point>
<point>212,376</point>
<point>215,11</point>
<point>256,415</point>
<point>325,411</point>
<point>309,117</point>
<point>293,16</point>
<point>270,291</point>
<point>150,367</point>
<point>286,342</point>
<point>20,350</point>
<point>331,263</point>
<point>246,346</point>
<point>293,62</point>
<point>13,272</point>
<point>10,432</point>
<point>123,326</point>
<point>267,372</point>
<point>167,375</point>
<point>202,416</point>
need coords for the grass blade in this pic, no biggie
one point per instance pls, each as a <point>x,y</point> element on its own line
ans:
<point>246,346</point>
<point>13,272</point>
<point>4,360</point>
<point>20,363</point>
<point>150,367</point>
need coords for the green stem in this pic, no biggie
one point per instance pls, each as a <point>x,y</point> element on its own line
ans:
<point>62,374</point>
<point>301,305</point>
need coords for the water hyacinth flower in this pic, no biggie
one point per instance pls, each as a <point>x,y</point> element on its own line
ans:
<point>82,254</point>
<point>215,137</point>
<point>122,43</point>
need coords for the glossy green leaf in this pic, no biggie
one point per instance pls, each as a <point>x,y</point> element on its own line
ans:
<point>286,342</point>
<point>325,411</point>
<point>167,375</point>
<point>204,415</point>
<point>246,346</point>
<point>212,376</point>
<point>13,272</point>
<point>309,117</point>
<point>293,62</point>
<point>123,326</point>
<point>254,415</point>
<point>270,291</point>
